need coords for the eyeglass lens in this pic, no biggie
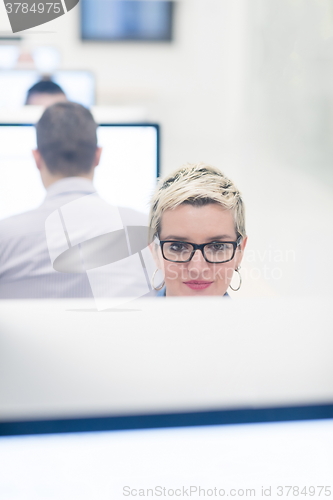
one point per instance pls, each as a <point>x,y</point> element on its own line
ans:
<point>214,252</point>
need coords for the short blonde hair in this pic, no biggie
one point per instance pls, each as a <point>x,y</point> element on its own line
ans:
<point>196,184</point>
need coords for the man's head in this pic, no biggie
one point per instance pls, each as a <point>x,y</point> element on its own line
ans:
<point>45,93</point>
<point>66,142</point>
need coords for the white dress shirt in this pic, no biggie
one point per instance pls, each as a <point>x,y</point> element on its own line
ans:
<point>25,266</point>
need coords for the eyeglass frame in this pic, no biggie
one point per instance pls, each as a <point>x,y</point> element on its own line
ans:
<point>200,247</point>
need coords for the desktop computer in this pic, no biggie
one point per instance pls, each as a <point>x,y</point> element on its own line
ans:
<point>126,175</point>
<point>79,86</point>
<point>166,398</point>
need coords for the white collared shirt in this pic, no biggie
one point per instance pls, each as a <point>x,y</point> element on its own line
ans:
<point>25,266</point>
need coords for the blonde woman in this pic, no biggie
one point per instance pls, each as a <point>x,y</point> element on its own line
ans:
<point>198,232</point>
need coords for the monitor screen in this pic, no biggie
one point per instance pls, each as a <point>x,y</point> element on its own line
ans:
<point>79,86</point>
<point>276,460</point>
<point>126,175</point>
<point>116,20</point>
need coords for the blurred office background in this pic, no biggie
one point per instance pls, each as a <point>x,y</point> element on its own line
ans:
<point>246,85</point>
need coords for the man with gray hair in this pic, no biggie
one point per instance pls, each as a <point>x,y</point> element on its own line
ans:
<point>66,156</point>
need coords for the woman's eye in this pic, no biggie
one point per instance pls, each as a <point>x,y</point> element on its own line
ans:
<point>218,247</point>
<point>178,247</point>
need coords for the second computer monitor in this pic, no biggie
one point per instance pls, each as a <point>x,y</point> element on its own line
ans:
<point>126,175</point>
<point>79,86</point>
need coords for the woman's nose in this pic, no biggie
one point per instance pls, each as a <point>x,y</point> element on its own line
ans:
<point>197,262</point>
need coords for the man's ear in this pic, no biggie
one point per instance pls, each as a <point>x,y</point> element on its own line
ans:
<point>97,157</point>
<point>38,159</point>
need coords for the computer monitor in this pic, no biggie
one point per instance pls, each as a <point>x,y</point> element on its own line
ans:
<point>79,392</point>
<point>119,20</point>
<point>153,363</point>
<point>126,175</point>
<point>79,86</point>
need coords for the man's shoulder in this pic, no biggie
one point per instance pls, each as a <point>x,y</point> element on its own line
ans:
<point>14,220</point>
<point>26,221</point>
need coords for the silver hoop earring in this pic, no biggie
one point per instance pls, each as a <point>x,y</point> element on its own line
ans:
<point>240,280</point>
<point>152,282</point>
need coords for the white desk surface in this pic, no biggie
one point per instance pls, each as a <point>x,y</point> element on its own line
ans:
<point>64,359</point>
<point>98,466</point>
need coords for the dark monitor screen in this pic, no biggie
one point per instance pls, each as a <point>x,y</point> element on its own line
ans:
<point>117,20</point>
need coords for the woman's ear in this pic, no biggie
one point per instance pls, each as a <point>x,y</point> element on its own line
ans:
<point>155,249</point>
<point>240,252</point>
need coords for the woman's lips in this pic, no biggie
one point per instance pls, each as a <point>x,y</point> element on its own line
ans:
<point>197,285</point>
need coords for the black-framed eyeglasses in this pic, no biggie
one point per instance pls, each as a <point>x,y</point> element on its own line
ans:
<point>216,252</point>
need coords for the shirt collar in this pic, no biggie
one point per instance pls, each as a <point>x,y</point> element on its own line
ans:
<point>71,185</point>
<point>162,293</point>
